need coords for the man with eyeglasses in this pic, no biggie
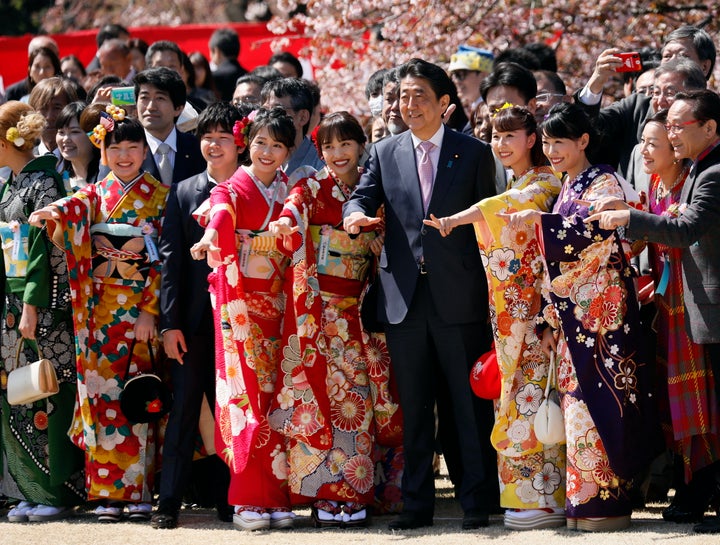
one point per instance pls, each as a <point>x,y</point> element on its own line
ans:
<point>693,125</point>
<point>468,67</point>
<point>550,91</point>
<point>621,123</point>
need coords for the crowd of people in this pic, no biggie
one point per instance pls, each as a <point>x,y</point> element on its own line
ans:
<point>324,289</point>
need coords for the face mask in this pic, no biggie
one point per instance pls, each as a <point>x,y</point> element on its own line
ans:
<point>376,104</point>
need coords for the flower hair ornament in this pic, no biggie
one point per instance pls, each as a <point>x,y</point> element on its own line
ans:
<point>13,136</point>
<point>108,118</point>
<point>503,107</point>
<point>240,131</point>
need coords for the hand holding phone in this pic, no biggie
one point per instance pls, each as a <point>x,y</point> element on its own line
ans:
<point>630,62</point>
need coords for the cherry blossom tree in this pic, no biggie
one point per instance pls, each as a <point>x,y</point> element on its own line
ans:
<point>348,41</point>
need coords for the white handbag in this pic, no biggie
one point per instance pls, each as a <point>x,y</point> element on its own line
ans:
<point>31,382</point>
<point>549,422</point>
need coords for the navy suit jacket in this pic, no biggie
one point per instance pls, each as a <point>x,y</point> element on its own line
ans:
<point>184,297</point>
<point>697,231</point>
<point>188,159</point>
<point>465,175</point>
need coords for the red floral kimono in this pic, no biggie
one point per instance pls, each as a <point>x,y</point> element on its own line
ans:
<point>354,385</point>
<point>110,230</point>
<point>249,304</point>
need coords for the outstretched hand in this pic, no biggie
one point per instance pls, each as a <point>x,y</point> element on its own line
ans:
<point>444,225</point>
<point>205,245</point>
<point>39,217</point>
<point>281,228</point>
<point>610,219</point>
<point>357,220</point>
<point>520,219</point>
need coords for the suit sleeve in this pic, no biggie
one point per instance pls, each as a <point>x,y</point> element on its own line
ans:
<point>369,194</point>
<point>172,246</point>
<point>700,216</point>
<point>485,178</point>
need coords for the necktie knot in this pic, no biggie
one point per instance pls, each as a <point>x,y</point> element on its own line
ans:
<point>425,147</point>
<point>163,149</point>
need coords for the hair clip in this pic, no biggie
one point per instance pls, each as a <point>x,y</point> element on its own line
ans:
<point>240,131</point>
<point>503,107</point>
<point>13,136</point>
<point>117,113</point>
<point>106,125</point>
<point>313,137</point>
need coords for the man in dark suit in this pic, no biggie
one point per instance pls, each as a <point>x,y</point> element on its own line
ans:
<point>433,293</point>
<point>172,155</point>
<point>693,124</point>
<point>186,321</point>
<point>224,48</point>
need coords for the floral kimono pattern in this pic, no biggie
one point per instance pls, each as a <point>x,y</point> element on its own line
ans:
<point>531,474</point>
<point>249,304</point>
<point>690,381</point>
<point>356,368</point>
<point>41,464</point>
<point>110,230</point>
<point>605,390</point>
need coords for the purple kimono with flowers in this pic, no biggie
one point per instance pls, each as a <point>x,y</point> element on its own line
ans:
<point>603,378</point>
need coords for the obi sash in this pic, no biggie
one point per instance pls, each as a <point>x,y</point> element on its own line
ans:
<point>258,255</point>
<point>339,255</point>
<point>122,251</point>
<point>15,247</point>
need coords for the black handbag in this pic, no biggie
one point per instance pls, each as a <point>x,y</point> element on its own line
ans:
<point>145,397</point>
<point>369,303</point>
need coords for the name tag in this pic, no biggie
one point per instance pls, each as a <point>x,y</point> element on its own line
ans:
<point>151,249</point>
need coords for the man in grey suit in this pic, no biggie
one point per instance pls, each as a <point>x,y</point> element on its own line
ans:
<point>433,293</point>
<point>693,125</point>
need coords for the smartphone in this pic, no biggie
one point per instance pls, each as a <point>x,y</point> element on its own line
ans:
<point>123,96</point>
<point>630,62</point>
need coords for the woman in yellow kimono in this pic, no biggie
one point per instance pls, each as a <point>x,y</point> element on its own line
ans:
<point>531,474</point>
<point>109,231</point>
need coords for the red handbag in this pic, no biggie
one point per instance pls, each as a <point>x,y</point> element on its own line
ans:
<point>485,376</point>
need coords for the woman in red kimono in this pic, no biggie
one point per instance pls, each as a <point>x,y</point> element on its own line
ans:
<point>247,284</point>
<point>338,476</point>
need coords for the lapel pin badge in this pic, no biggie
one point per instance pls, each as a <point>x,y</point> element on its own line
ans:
<point>450,162</point>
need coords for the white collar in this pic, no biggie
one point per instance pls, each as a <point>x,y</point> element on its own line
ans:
<point>436,138</point>
<point>153,142</point>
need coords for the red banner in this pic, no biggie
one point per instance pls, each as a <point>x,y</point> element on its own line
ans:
<point>255,41</point>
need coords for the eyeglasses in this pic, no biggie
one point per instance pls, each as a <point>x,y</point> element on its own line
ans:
<point>677,127</point>
<point>545,97</point>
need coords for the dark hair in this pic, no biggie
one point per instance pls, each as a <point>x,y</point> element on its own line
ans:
<point>520,118</point>
<point>314,90</point>
<point>105,81</point>
<point>268,73</point>
<point>127,130</point>
<point>139,44</point>
<point>567,120</point>
<point>90,116</point>
<point>545,55</point>
<point>226,40</point>
<point>555,80</point>
<point>657,117</point>
<point>109,31</point>
<point>217,115</point>
<point>520,56</point>
<point>374,85</point>
<point>68,113</point>
<point>197,58</point>
<point>437,78</point>
<point>251,78</point>
<point>342,126</point>
<point>692,74</point>
<point>46,52</point>
<point>289,58</point>
<point>277,122</point>
<point>165,80</point>
<point>76,110</point>
<point>301,96</point>
<point>163,45</point>
<point>73,59</point>
<point>391,76</point>
<point>189,70</point>
<point>510,74</point>
<point>701,40</point>
<point>459,118</point>
<point>705,105</point>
